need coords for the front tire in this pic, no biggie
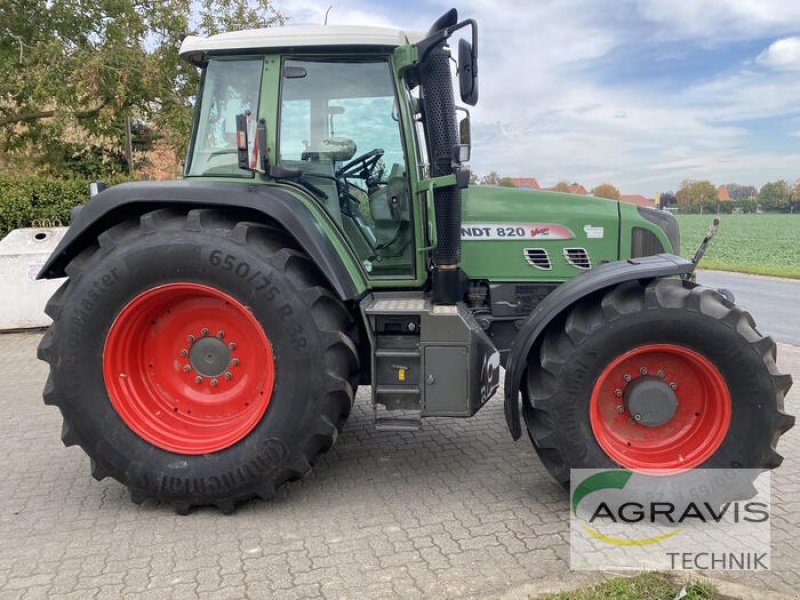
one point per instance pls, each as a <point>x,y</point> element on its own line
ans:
<point>676,353</point>
<point>198,360</point>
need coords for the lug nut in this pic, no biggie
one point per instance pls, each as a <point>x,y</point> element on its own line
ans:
<point>184,352</point>
<point>204,331</point>
<point>214,382</point>
<point>235,362</point>
<point>618,392</point>
<point>627,378</point>
<point>643,371</point>
<point>232,346</point>
<point>198,379</point>
<point>186,368</point>
<point>190,338</point>
<point>620,408</point>
<point>228,375</point>
<point>220,334</point>
<point>674,386</point>
<point>660,373</point>
<point>637,418</point>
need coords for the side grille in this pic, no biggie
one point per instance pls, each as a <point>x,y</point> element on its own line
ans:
<point>529,296</point>
<point>538,257</point>
<point>578,258</point>
<point>645,243</point>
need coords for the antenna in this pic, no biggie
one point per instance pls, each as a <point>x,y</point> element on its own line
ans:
<point>326,13</point>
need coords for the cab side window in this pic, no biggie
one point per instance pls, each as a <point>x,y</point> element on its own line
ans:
<point>340,125</point>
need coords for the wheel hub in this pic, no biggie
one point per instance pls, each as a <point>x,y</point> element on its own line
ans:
<point>660,408</point>
<point>210,357</point>
<point>651,401</point>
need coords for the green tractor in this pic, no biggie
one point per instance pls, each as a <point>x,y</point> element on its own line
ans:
<point>212,332</point>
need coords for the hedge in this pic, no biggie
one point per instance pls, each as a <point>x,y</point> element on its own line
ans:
<point>25,201</point>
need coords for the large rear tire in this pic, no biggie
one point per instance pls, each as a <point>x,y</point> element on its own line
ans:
<point>198,360</point>
<point>678,354</point>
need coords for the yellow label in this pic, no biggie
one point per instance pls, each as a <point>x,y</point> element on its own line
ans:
<point>401,374</point>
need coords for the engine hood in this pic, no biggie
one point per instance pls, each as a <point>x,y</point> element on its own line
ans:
<point>513,234</point>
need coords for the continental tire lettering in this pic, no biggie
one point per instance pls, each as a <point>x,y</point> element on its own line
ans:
<point>271,458</point>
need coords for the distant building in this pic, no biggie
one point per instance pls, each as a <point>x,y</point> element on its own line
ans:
<point>577,188</point>
<point>525,182</point>
<point>722,194</point>
<point>636,199</point>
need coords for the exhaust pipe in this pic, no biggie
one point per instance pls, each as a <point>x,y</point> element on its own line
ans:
<point>442,137</point>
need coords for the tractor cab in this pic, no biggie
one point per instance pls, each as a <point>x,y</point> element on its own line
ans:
<point>340,113</point>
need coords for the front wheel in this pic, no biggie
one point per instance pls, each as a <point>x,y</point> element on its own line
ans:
<point>656,378</point>
<point>198,360</point>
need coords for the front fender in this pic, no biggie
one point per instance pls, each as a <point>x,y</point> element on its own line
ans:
<point>567,294</point>
<point>132,199</point>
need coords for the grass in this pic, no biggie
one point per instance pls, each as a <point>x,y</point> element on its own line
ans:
<point>645,586</point>
<point>758,244</point>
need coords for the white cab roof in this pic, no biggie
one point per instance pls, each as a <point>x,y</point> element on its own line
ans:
<point>297,36</point>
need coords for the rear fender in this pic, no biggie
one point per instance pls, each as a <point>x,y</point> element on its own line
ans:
<point>278,205</point>
<point>559,301</point>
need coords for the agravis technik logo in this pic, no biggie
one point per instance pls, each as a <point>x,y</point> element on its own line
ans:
<point>702,519</point>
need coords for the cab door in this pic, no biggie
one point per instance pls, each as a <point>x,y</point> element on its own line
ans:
<point>340,125</point>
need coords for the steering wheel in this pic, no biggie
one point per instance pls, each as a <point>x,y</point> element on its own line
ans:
<point>361,166</point>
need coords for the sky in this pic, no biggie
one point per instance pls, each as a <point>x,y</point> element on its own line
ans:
<point>639,93</point>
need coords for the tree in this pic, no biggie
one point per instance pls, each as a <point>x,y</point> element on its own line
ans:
<point>74,72</point>
<point>606,190</point>
<point>775,195</point>
<point>796,196</point>
<point>694,196</point>
<point>506,182</point>
<point>740,192</point>
<point>562,186</point>
<point>667,199</point>
<point>491,179</point>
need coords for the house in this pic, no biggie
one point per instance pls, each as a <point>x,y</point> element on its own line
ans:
<point>577,188</point>
<point>723,195</point>
<point>525,182</point>
<point>636,199</point>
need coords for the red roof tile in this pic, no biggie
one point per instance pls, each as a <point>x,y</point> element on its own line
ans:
<point>577,188</point>
<point>525,182</point>
<point>637,199</point>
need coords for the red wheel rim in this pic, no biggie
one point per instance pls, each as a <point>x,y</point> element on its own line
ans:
<point>188,368</point>
<point>686,440</point>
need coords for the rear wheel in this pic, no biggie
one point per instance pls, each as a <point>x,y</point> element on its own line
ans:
<point>658,378</point>
<point>198,360</point>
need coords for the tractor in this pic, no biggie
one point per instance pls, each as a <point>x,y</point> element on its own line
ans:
<point>209,339</point>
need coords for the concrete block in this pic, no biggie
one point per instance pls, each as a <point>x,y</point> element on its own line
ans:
<point>23,252</point>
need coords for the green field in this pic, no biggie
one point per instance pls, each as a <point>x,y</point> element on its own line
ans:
<point>759,244</point>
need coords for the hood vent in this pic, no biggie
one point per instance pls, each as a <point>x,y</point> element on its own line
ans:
<point>578,258</point>
<point>538,257</point>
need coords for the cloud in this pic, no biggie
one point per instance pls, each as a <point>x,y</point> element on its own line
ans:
<point>782,54</point>
<point>549,109</point>
<point>305,12</point>
<point>717,21</point>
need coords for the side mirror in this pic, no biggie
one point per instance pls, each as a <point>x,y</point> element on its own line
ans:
<point>467,73</point>
<point>465,131</point>
<point>462,150</point>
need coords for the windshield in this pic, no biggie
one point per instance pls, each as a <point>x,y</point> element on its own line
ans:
<point>230,87</point>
